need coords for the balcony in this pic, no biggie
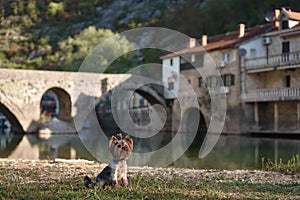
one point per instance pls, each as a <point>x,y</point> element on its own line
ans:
<point>186,66</point>
<point>272,95</point>
<point>273,62</point>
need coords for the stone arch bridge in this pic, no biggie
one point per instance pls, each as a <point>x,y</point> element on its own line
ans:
<point>21,92</point>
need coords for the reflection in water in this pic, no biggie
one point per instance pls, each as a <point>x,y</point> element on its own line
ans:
<point>32,147</point>
<point>241,152</point>
<point>231,152</point>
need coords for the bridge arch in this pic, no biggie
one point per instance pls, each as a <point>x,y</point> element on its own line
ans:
<point>140,115</point>
<point>63,103</point>
<point>151,94</point>
<point>150,89</point>
<point>15,124</point>
<point>190,124</point>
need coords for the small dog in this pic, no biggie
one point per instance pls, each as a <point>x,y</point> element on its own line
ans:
<point>117,170</point>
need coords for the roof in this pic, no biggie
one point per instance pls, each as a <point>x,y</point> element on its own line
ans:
<point>224,41</point>
<point>293,32</point>
<point>291,14</point>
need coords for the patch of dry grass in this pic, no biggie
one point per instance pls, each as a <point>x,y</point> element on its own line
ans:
<point>64,180</point>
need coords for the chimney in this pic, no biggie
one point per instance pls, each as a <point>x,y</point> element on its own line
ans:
<point>204,40</point>
<point>275,20</point>
<point>241,30</point>
<point>192,42</point>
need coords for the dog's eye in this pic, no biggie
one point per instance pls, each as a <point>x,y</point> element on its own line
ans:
<point>116,143</point>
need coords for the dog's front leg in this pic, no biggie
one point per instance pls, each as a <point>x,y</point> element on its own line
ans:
<point>125,181</point>
<point>115,177</point>
<point>124,176</point>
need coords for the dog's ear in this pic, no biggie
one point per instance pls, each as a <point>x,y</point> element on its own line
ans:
<point>129,141</point>
<point>113,140</point>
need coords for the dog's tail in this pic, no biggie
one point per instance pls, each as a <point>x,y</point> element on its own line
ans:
<point>88,181</point>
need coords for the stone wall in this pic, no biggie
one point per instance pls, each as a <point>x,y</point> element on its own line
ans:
<point>21,92</point>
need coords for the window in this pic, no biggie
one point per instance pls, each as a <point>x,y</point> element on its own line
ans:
<point>215,81</point>
<point>288,81</point>
<point>171,81</point>
<point>285,51</point>
<point>285,47</point>
<point>252,53</point>
<point>228,56</point>
<point>219,80</point>
<point>104,85</point>
<point>199,60</point>
<point>200,82</point>
<point>285,24</point>
<point>228,79</point>
<point>193,59</point>
<point>171,61</point>
<point>209,81</point>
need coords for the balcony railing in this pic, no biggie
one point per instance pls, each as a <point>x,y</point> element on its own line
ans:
<point>281,60</point>
<point>273,94</point>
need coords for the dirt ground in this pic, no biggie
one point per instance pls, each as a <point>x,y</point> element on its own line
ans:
<point>60,169</point>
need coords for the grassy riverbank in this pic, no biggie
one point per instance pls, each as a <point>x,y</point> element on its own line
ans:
<point>64,179</point>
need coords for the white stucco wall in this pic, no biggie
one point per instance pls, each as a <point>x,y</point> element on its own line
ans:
<point>171,71</point>
<point>256,44</point>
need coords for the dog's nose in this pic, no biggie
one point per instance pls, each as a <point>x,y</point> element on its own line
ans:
<point>119,146</point>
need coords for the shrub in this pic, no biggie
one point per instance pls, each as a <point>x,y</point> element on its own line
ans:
<point>291,167</point>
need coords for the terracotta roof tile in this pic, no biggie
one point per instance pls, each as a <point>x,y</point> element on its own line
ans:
<point>224,41</point>
<point>294,15</point>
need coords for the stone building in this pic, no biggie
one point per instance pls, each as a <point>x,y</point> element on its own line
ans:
<point>200,61</point>
<point>272,78</point>
<point>259,73</point>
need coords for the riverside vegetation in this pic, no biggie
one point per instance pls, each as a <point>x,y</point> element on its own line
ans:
<point>58,35</point>
<point>63,179</point>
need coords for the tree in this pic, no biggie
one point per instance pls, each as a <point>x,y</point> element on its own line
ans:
<point>32,10</point>
<point>55,8</point>
<point>77,48</point>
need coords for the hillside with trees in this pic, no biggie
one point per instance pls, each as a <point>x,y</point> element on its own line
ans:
<point>58,35</point>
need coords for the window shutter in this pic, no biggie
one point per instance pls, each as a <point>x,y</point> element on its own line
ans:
<point>232,79</point>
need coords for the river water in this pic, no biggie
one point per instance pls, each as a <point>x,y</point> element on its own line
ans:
<point>230,152</point>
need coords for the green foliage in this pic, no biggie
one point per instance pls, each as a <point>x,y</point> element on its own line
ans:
<point>54,8</point>
<point>292,166</point>
<point>214,17</point>
<point>32,10</point>
<point>2,56</point>
<point>13,65</point>
<point>63,23</point>
<point>84,44</point>
<point>37,62</point>
<point>42,41</point>
<point>123,63</point>
<point>26,21</point>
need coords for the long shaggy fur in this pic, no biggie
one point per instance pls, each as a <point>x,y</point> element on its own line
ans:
<point>117,170</point>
